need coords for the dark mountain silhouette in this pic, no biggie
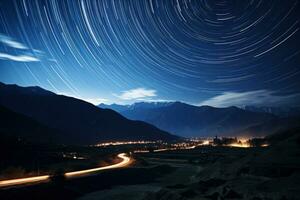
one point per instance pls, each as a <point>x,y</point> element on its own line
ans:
<point>21,128</point>
<point>278,111</point>
<point>188,120</point>
<point>77,120</point>
<point>273,126</point>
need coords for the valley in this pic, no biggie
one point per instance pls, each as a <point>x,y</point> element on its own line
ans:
<point>189,170</point>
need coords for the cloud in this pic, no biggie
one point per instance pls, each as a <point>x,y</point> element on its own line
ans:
<point>22,51</point>
<point>18,58</point>
<point>230,80</point>
<point>256,97</point>
<point>11,43</point>
<point>138,93</point>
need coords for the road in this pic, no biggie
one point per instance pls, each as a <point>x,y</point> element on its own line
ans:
<point>13,182</point>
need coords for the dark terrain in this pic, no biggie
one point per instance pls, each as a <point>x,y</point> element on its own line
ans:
<point>207,172</point>
<point>70,120</point>
<point>39,129</point>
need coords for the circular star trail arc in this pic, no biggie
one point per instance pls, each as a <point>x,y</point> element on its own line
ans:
<point>192,49</point>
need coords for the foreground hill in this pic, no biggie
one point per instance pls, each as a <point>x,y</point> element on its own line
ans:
<point>18,127</point>
<point>273,126</point>
<point>188,120</point>
<point>80,122</point>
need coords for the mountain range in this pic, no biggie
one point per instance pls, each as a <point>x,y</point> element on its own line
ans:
<point>66,119</point>
<point>278,111</point>
<point>201,121</point>
<point>35,114</point>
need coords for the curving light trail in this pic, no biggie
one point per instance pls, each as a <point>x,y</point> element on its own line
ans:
<point>20,181</point>
<point>13,182</point>
<point>123,163</point>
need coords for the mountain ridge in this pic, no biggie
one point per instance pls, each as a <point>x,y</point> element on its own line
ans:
<point>190,120</point>
<point>79,120</point>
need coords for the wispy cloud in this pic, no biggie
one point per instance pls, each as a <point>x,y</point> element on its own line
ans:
<point>18,58</point>
<point>231,79</point>
<point>256,97</point>
<point>24,54</point>
<point>11,43</point>
<point>138,93</point>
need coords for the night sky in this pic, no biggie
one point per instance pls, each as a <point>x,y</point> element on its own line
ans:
<point>214,52</point>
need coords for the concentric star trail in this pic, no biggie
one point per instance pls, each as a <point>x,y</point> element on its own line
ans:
<point>188,50</point>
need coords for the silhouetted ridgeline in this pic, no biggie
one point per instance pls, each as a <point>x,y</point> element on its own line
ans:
<point>15,126</point>
<point>78,121</point>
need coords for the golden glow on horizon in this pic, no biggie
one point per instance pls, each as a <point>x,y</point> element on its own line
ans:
<point>206,142</point>
<point>240,145</point>
<point>124,143</point>
<point>264,145</point>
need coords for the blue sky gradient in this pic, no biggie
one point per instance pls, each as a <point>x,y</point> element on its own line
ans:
<point>220,53</point>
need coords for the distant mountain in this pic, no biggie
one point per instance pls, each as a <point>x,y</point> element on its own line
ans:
<point>278,111</point>
<point>77,120</point>
<point>139,105</point>
<point>116,107</point>
<point>188,120</point>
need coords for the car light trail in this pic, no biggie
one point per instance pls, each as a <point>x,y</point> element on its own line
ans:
<point>125,162</point>
<point>24,180</point>
<point>12,182</point>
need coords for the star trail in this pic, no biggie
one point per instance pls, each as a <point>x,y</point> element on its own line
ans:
<point>215,52</point>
